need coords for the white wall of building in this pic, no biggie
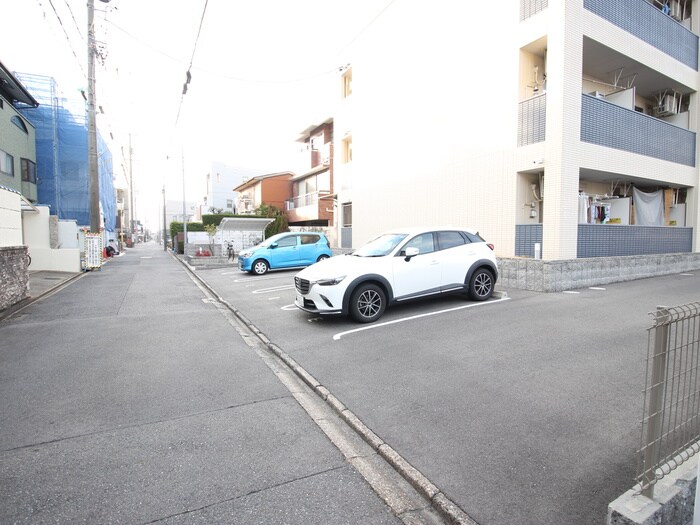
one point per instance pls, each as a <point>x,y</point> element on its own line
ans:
<point>10,218</point>
<point>434,131</point>
<point>38,240</point>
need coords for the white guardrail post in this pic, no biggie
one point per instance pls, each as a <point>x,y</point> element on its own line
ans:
<point>656,400</point>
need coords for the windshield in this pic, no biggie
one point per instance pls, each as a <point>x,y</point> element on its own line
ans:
<point>381,245</point>
<point>267,242</point>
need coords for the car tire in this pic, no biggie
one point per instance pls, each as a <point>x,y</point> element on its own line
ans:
<point>367,303</point>
<point>481,284</point>
<point>322,258</point>
<point>259,267</point>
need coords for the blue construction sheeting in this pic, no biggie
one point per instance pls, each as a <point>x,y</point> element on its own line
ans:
<point>62,156</point>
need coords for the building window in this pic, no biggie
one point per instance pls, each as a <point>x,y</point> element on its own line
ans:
<point>28,170</point>
<point>347,215</point>
<point>229,204</point>
<point>347,149</point>
<point>7,164</point>
<point>347,82</point>
<point>17,121</point>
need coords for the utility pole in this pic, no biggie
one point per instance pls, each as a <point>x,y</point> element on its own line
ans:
<point>131,194</point>
<point>165,225</point>
<point>94,180</point>
<point>184,207</point>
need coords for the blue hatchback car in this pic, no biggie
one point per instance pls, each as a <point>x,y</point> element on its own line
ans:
<point>285,250</point>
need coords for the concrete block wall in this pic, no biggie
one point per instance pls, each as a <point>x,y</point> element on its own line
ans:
<point>673,502</point>
<point>559,275</point>
<point>14,275</point>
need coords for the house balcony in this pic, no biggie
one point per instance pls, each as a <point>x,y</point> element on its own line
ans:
<point>666,31</point>
<point>607,124</point>
<point>532,115</point>
<point>310,207</point>
<point>530,8</point>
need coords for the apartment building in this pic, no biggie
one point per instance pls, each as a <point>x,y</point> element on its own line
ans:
<point>312,201</point>
<point>221,180</point>
<point>558,128</point>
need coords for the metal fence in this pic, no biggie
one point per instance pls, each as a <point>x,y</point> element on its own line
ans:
<point>671,419</point>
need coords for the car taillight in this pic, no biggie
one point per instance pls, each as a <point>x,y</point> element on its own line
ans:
<point>489,245</point>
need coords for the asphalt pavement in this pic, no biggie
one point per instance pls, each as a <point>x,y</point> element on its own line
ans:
<point>523,410</point>
<point>128,397</point>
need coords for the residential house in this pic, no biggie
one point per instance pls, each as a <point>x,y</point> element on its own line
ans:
<point>17,137</point>
<point>272,189</point>
<point>312,198</point>
<point>544,124</point>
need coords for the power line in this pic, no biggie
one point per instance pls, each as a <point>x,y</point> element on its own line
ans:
<point>77,27</point>
<point>188,74</point>
<point>70,45</point>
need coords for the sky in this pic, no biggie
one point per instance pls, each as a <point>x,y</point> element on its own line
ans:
<point>260,73</point>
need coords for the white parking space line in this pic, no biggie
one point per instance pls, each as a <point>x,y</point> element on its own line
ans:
<point>688,274</point>
<point>254,279</point>
<point>337,336</point>
<point>272,298</point>
<point>289,307</point>
<point>595,288</point>
<point>273,289</point>
<point>570,291</point>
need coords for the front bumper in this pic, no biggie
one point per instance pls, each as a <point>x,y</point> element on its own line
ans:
<point>317,299</point>
<point>244,263</point>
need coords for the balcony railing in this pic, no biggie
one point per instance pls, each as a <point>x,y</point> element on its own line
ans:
<point>530,8</point>
<point>607,124</point>
<point>646,22</point>
<point>308,199</point>
<point>532,115</point>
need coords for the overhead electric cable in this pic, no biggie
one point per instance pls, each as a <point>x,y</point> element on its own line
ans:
<point>189,69</point>
<point>77,27</point>
<point>67,37</point>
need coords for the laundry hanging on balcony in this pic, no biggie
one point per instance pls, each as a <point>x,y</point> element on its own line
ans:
<point>648,208</point>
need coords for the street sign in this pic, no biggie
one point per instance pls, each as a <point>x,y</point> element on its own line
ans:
<point>93,250</point>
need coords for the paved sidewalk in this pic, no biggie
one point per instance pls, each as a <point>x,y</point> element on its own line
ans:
<point>43,282</point>
<point>128,398</point>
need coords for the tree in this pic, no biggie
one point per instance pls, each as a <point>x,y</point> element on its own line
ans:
<point>280,223</point>
<point>211,232</point>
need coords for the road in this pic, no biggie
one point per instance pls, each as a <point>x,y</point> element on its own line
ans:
<point>133,396</point>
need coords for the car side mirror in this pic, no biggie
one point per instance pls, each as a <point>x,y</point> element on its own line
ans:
<point>274,245</point>
<point>411,252</point>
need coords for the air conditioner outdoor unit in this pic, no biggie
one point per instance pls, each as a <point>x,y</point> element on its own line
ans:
<point>668,105</point>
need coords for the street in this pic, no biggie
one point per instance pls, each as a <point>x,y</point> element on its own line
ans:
<point>129,397</point>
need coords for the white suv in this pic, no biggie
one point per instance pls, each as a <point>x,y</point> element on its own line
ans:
<point>398,266</point>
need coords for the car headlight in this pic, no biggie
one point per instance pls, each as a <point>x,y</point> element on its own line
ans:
<point>245,254</point>
<point>330,282</point>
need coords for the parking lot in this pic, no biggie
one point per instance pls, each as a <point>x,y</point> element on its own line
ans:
<point>522,409</point>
